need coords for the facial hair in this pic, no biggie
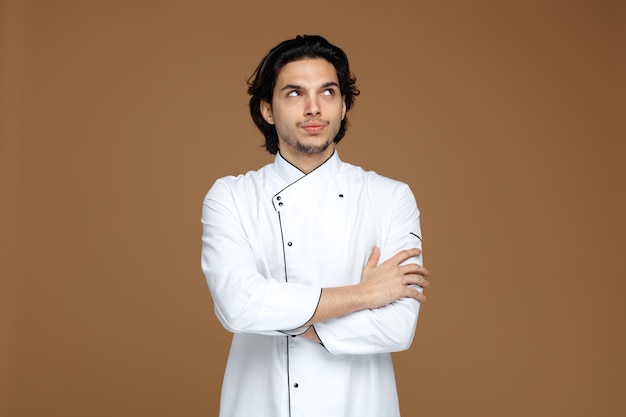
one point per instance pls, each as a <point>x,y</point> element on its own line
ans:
<point>307,148</point>
<point>313,148</point>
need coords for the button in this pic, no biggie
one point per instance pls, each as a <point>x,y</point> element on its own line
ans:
<point>340,195</point>
<point>289,243</point>
<point>280,204</point>
<point>295,385</point>
<point>278,198</point>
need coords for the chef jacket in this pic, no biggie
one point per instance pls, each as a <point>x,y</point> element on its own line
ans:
<point>272,239</point>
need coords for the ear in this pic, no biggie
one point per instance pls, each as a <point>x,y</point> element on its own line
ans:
<point>343,109</point>
<point>266,111</point>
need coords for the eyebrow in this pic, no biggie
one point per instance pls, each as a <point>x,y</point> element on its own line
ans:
<point>299,87</point>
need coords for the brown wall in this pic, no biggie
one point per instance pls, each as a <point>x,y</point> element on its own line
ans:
<point>506,118</point>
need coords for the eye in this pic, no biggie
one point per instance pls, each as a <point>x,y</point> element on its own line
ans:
<point>293,93</point>
<point>328,92</point>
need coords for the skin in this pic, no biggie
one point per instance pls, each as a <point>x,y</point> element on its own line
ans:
<point>307,109</point>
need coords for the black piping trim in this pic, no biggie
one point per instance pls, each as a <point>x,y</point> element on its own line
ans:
<point>288,378</point>
<point>282,239</point>
<point>302,172</point>
<point>327,159</point>
<point>411,233</point>
<point>318,336</point>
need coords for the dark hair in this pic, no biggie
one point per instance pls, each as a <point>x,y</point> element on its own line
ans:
<point>262,82</point>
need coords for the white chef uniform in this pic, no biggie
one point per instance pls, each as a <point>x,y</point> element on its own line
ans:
<point>272,239</point>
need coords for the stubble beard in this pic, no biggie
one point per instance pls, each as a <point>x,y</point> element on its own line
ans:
<point>311,149</point>
<point>303,144</point>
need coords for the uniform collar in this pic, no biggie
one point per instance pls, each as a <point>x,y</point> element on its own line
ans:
<point>298,184</point>
<point>290,174</point>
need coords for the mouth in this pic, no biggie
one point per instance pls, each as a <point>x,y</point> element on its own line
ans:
<point>313,127</point>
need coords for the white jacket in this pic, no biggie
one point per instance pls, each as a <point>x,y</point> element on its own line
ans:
<point>272,239</point>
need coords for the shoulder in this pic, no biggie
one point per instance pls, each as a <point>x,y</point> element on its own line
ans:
<point>372,180</point>
<point>242,185</point>
<point>383,194</point>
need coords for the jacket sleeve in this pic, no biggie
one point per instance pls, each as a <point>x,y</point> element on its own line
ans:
<point>245,300</point>
<point>390,328</point>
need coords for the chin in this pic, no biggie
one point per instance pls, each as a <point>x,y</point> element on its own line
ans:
<point>314,148</point>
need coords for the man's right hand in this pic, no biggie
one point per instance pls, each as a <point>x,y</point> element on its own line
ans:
<point>380,285</point>
<point>390,281</point>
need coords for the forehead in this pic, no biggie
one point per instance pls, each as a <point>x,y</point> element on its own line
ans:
<point>309,72</point>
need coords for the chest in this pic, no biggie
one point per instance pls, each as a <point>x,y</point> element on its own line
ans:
<point>319,237</point>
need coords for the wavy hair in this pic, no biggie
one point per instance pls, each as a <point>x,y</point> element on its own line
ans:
<point>262,82</point>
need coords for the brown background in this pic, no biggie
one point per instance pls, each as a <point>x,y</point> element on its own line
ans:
<point>505,117</point>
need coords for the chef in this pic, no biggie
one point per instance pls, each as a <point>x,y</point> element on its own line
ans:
<point>313,263</point>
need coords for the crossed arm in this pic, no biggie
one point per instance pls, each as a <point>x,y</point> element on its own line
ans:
<point>380,285</point>
<point>377,314</point>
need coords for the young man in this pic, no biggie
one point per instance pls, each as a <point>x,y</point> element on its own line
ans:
<point>292,254</point>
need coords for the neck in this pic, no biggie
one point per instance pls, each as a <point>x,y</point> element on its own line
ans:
<point>307,163</point>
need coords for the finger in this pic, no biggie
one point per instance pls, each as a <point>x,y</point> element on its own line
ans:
<point>403,255</point>
<point>420,296</point>
<point>374,258</point>
<point>416,279</point>
<point>416,294</point>
<point>414,269</point>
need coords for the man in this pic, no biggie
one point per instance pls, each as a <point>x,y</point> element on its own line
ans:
<point>292,252</point>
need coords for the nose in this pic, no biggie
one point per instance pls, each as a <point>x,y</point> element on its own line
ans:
<point>312,106</point>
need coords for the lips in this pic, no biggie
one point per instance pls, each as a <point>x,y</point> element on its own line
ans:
<point>313,127</point>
